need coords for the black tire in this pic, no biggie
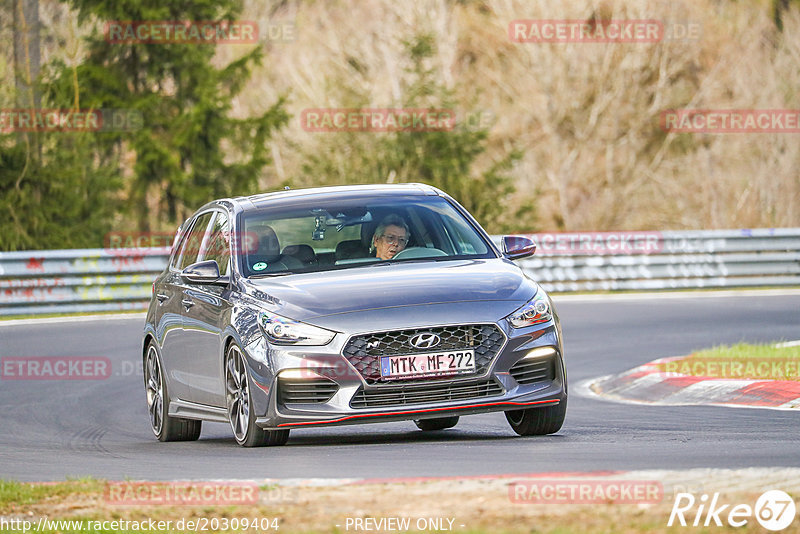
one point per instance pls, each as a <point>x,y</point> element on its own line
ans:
<point>165,427</point>
<point>239,403</point>
<point>538,421</point>
<point>439,423</point>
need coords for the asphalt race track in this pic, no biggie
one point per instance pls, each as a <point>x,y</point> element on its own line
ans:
<point>52,429</point>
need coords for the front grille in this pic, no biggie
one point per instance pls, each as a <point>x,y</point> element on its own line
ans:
<point>534,370</point>
<point>425,393</point>
<point>364,351</point>
<point>305,391</point>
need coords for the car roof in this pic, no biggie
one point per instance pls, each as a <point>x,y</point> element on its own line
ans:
<point>333,192</point>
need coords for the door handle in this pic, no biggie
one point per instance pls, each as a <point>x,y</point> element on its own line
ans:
<point>187,303</point>
<point>161,297</point>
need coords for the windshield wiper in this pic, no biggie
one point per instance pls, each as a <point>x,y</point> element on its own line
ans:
<point>269,275</point>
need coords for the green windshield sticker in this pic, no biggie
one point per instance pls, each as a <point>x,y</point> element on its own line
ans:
<point>260,266</point>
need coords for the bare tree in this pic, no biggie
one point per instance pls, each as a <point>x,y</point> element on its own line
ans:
<point>27,57</point>
<point>26,51</point>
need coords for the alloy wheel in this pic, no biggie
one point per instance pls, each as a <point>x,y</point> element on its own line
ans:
<point>238,393</point>
<point>154,391</point>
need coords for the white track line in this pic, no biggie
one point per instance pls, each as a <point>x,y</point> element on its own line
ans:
<point>670,294</point>
<point>74,319</point>
<point>584,389</point>
<point>738,479</point>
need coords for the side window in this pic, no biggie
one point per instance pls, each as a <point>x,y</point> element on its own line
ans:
<point>180,241</point>
<point>194,240</point>
<point>218,246</point>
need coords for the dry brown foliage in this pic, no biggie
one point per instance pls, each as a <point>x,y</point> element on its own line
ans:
<point>585,115</point>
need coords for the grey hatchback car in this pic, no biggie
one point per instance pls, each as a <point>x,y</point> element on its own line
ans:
<point>347,305</point>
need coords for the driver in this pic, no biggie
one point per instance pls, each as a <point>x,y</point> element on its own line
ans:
<point>391,236</point>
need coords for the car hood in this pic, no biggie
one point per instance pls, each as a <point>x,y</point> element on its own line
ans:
<point>312,297</point>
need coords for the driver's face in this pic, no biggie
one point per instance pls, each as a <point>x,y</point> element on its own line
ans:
<point>393,240</point>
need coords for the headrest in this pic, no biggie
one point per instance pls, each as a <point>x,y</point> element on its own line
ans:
<point>303,253</point>
<point>269,249</point>
<point>347,250</point>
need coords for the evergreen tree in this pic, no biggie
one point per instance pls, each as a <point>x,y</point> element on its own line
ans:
<point>68,189</point>
<point>188,150</point>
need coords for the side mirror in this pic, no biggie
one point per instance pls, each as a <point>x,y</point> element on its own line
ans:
<point>517,246</point>
<point>203,272</point>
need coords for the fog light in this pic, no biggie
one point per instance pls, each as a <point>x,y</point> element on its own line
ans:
<point>298,374</point>
<point>539,352</point>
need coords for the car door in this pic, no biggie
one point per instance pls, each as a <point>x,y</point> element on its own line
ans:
<point>205,309</point>
<point>170,331</point>
<point>178,360</point>
<point>168,292</point>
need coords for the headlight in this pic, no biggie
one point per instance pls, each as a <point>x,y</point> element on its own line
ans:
<point>537,310</point>
<point>282,331</point>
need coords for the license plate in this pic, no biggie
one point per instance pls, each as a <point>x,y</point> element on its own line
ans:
<point>453,362</point>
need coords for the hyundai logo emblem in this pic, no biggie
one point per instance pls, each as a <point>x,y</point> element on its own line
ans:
<point>425,340</point>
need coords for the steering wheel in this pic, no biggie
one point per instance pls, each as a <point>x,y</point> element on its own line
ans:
<point>419,252</point>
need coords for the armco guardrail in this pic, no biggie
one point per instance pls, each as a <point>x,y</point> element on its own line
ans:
<point>666,260</point>
<point>52,281</point>
<point>84,280</point>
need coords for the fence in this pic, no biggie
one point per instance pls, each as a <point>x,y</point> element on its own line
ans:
<point>56,281</point>
<point>667,260</point>
<point>87,280</point>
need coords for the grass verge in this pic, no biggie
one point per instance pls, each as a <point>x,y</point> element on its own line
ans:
<point>469,506</point>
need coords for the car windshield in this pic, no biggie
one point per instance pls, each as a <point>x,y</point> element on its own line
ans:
<point>351,233</point>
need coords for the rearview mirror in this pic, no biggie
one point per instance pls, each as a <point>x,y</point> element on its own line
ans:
<point>202,272</point>
<point>517,246</point>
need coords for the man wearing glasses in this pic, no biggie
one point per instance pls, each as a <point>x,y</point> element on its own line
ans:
<point>391,236</point>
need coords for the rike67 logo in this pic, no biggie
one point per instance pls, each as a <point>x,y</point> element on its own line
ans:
<point>774,510</point>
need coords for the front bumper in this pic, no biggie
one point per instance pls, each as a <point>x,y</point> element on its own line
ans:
<point>355,399</point>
